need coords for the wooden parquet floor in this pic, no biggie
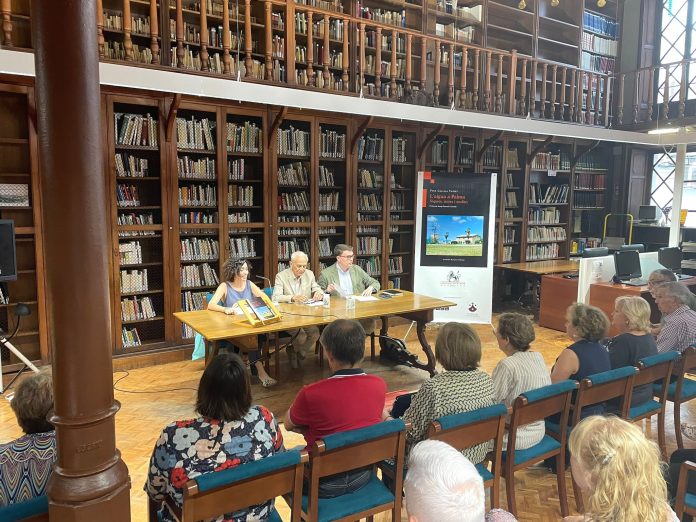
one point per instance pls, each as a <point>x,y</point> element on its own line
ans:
<point>153,396</point>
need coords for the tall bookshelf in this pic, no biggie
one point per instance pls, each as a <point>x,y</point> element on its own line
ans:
<point>513,200</point>
<point>20,201</point>
<point>548,203</point>
<point>198,204</point>
<point>600,38</point>
<point>293,178</point>
<point>245,187</point>
<point>130,32</point>
<point>136,169</point>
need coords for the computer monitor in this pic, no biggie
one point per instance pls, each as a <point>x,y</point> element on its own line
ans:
<point>647,213</point>
<point>627,264</point>
<point>595,252</point>
<point>670,257</point>
<point>638,247</point>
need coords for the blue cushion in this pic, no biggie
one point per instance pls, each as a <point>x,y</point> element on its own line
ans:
<point>654,360</point>
<point>347,438</point>
<point>549,391</point>
<point>547,444</point>
<point>275,516</point>
<point>462,419</point>
<point>612,375</point>
<point>688,390</point>
<point>372,494</point>
<point>226,477</point>
<point>268,291</point>
<point>650,406</point>
<point>483,471</point>
<point>690,500</point>
<point>26,509</point>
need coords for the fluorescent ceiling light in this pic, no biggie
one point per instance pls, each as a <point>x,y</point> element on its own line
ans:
<point>665,130</point>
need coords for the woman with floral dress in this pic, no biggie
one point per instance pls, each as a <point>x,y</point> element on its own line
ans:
<point>228,432</point>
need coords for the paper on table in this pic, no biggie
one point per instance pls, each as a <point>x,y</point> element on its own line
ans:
<point>315,303</point>
<point>364,298</point>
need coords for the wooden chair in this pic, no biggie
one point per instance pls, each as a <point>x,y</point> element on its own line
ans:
<point>463,430</point>
<point>33,510</point>
<point>596,389</point>
<point>654,369</point>
<point>680,389</point>
<point>350,450</point>
<point>685,503</point>
<point>213,494</point>
<point>532,406</point>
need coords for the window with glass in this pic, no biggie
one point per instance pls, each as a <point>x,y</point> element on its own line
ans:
<point>677,42</point>
<point>662,189</point>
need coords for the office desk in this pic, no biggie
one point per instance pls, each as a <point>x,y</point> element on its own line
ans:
<point>216,326</point>
<point>536,270</point>
<point>557,294</point>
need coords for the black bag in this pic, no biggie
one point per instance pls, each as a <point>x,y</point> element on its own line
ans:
<point>394,349</point>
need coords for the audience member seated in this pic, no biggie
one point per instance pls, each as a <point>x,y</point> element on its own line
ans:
<point>345,278</point>
<point>348,400</point>
<point>236,287</point>
<point>297,285</point>
<point>460,388</point>
<point>442,485</point>
<point>228,432</point>
<point>657,278</point>
<point>586,326</point>
<point>679,321</point>
<point>619,471</point>
<point>672,475</point>
<point>632,319</point>
<point>26,463</point>
<point>521,370</point>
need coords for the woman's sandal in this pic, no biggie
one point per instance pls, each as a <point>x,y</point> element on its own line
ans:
<point>268,382</point>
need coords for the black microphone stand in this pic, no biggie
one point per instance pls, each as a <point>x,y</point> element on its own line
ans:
<point>20,311</point>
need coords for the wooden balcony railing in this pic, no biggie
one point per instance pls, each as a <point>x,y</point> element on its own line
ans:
<point>308,47</point>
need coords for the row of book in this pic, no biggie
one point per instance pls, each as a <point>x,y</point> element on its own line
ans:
<point>385,16</point>
<point>512,159</point>
<point>130,337</point>
<point>198,196</point>
<point>329,201</point>
<point>591,162</point>
<point>136,130</point>
<point>207,217</point>
<point>133,280</point>
<point>326,177</point>
<point>122,234</point>
<point>368,245</point>
<point>325,247</point>
<point>236,170</point>
<point>399,149</point>
<point>127,195</point>
<point>328,5</point>
<point>492,155</point>
<point>294,174</point>
<point>114,50</point>
<point>385,90</point>
<point>129,166</point>
<point>511,199</point>
<point>193,300</point>
<point>135,218</point>
<point>546,216</point>
<point>294,202</point>
<point>463,152</point>
<point>189,168</point>
<point>240,196</point>
<point>597,44</point>
<point>509,234</point>
<point>370,179</point>
<point>293,142</point>
<point>398,201</point>
<point>287,247</point>
<point>296,219</point>
<point>332,144</point>
<point>539,193</point>
<point>335,29</point>
<point>369,203</point>
<point>550,161</point>
<point>245,137</point>
<point>371,265</point>
<point>439,152</point>
<point>130,253</point>
<point>540,252</point>
<point>394,282</point>
<point>371,148</point>
<point>590,181</point>
<point>195,134</point>
<point>137,309</point>
<point>199,249</point>
<point>507,254</point>
<point>198,275</point>
<point>600,24</point>
<point>601,64</point>
<point>242,247</point>
<point>546,234</point>
<point>578,245</point>
<point>396,265</point>
<point>588,200</point>
<point>240,217</point>
<point>4,296</point>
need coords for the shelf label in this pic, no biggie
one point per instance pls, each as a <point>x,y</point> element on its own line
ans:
<point>551,173</point>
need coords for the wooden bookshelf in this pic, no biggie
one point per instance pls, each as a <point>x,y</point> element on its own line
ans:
<point>18,151</point>
<point>512,201</point>
<point>129,30</point>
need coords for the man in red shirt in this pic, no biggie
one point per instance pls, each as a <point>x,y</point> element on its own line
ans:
<point>348,400</point>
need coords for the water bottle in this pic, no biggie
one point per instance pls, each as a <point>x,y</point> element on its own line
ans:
<point>350,302</point>
<point>326,301</point>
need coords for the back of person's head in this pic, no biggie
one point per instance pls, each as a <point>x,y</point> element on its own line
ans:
<point>517,329</point>
<point>344,339</point>
<point>442,485</point>
<point>458,347</point>
<point>224,392</point>
<point>590,322</point>
<point>677,291</point>
<point>662,275</point>
<point>622,470</point>
<point>32,401</point>
<point>636,310</point>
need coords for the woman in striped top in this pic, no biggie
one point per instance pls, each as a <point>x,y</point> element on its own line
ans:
<point>521,370</point>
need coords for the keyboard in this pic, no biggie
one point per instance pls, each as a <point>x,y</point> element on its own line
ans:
<point>636,281</point>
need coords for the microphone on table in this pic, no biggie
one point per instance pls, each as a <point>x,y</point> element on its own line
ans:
<point>265,279</point>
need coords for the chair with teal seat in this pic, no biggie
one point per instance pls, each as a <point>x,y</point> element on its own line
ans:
<point>654,369</point>
<point>685,503</point>
<point>681,389</point>
<point>351,450</point>
<point>211,495</point>
<point>32,510</point>
<point>532,406</point>
<point>463,430</point>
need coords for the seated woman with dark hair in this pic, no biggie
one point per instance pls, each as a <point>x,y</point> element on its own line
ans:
<point>228,432</point>
<point>26,463</point>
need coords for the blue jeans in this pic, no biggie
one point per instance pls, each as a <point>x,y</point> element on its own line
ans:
<point>341,483</point>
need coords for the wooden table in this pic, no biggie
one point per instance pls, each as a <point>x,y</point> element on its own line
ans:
<point>557,294</point>
<point>216,326</point>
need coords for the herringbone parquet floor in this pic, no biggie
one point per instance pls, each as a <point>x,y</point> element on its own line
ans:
<point>146,407</point>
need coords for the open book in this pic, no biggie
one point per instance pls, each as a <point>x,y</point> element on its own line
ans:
<point>259,310</point>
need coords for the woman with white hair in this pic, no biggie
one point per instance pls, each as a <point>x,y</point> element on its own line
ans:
<point>442,485</point>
